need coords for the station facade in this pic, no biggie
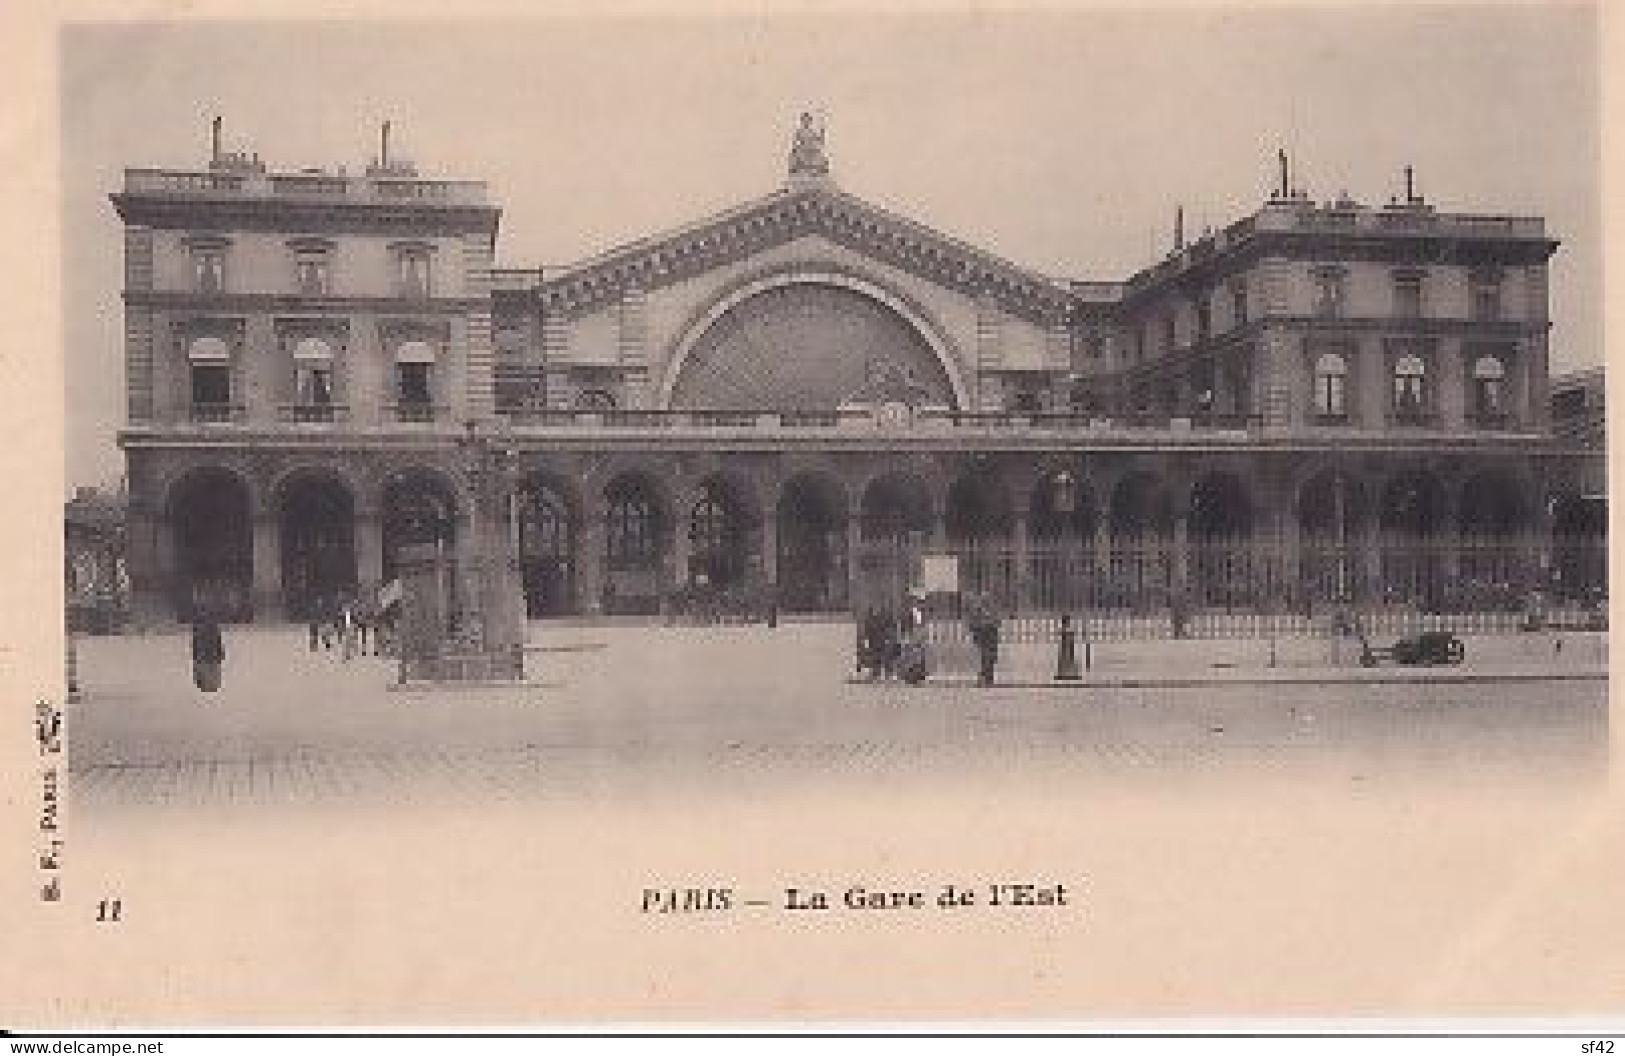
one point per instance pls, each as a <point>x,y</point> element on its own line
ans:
<point>800,395</point>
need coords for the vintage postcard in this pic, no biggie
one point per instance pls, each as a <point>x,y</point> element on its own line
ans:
<point>1055,515</point>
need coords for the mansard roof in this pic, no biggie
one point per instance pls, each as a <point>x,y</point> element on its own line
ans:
<point>793,212</point>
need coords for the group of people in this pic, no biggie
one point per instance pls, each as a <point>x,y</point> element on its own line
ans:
<point>892,641</point>
<point>351,624</point>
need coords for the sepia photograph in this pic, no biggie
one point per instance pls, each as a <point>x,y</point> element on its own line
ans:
<point>1072,515</point>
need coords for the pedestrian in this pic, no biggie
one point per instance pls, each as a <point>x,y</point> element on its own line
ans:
<point>208,653</point>
<point>315,623</point>
<point>347,629</point>
<point>912,664</point>
<point>983,621</point>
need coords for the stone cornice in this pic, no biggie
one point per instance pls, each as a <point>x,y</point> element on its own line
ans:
<point>787,215</point>
<point>303,216</point>
<point>240,303</point>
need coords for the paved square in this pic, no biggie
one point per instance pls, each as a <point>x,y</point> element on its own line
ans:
<point>634,710</point>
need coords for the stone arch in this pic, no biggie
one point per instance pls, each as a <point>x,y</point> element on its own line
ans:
<point>421,506</point>
<point>209,509</point>
<point>812,511</point>
<point>723,522</point>
<point>549,514</point>
<point>638,518</point>
<point>316,508</point>
<point>821,275</point>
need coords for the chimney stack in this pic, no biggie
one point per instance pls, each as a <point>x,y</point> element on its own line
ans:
<point>214,142</point>
<point>1179,228</point>
<point>383,146</point>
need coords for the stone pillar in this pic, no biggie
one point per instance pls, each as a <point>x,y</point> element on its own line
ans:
<point>590,563</point>
<point>1022,553</point>
<point>768,540</point>
<point>1102,556</point>
<point>149,562</point>
<point>267,573</point>
<point>369,548</point>
<point>854,553</point>
<point>680,552</point>
<point>1179,587</point>
<point>1370,546</point>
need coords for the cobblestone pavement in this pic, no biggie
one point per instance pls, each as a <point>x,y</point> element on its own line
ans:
<point>643,712</point>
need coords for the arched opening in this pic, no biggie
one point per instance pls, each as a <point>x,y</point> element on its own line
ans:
<point>1493,567</point>
<point>635,528</point>
<point>1139,564</point>
<point>211,519</point>
<point>546,549</point>
<point>1221,557</point>
<point>420,510</point>
<point>316,521</point>
<point>895,519</point>
<point>812,544</point>
<point>978,520</point>
<point>1331,510</point>
<point>721,538</point>
<point>1061,523</point>
<point>1580,548</point>
<point>1411,517</point>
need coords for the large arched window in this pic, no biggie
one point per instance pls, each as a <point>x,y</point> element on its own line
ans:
<point>1331,386</point>
<point>1489,387</point>
<point>1410,387</point>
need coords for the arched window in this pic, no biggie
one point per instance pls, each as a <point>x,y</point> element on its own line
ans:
<point>633,540</point>
<point>1489,387</point>
<point>1331,385</point>
<point>544,527</point>
<point>1410,387</point>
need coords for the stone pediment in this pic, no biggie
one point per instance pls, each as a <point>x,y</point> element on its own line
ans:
<point>788,214</point>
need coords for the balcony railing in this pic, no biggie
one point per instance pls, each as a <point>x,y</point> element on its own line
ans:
<point>314,413</point>
<point>417,413</point>
<point>217,413</point>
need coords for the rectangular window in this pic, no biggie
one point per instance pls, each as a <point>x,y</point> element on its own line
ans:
<point>208,269</point>
<point>1487,302</point>
<point>415,389</point>
<point>1238,304</point>
<point>1204,319</point>
<point>211,392</point>
<point>1170,332</point>
<point>1408,296</point>
<point>412,273</point>
<point>1329,293</point>
<point>311,275</point>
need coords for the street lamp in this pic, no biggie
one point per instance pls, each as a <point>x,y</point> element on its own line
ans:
<point>1064,501</point>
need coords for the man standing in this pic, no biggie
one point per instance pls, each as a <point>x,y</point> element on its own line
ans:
<point>208,653</point>
<point>983,623</point>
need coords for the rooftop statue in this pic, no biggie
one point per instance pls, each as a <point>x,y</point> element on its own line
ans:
<point>807,156</point>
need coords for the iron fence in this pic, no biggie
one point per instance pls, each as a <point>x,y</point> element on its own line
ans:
<point>1247,588</point>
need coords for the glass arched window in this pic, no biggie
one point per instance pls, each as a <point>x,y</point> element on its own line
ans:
<point>632,528</point>
<point>1331,385</point>
<point>1489,387</point>
<point>1410,387</point>
<point>544,527</point>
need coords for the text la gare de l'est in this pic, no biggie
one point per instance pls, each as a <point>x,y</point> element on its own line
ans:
<point>658,900</point>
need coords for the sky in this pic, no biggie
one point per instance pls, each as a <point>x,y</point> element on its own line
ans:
<point>1061,139</point>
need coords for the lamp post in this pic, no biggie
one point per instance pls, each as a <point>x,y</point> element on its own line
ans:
<point>1064,501</point>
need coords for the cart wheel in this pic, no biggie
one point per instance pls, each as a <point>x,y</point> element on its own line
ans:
<point>1456,652</point>
<point>1368,659</point>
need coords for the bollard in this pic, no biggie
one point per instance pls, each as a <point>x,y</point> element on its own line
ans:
<point>1066,660</point>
